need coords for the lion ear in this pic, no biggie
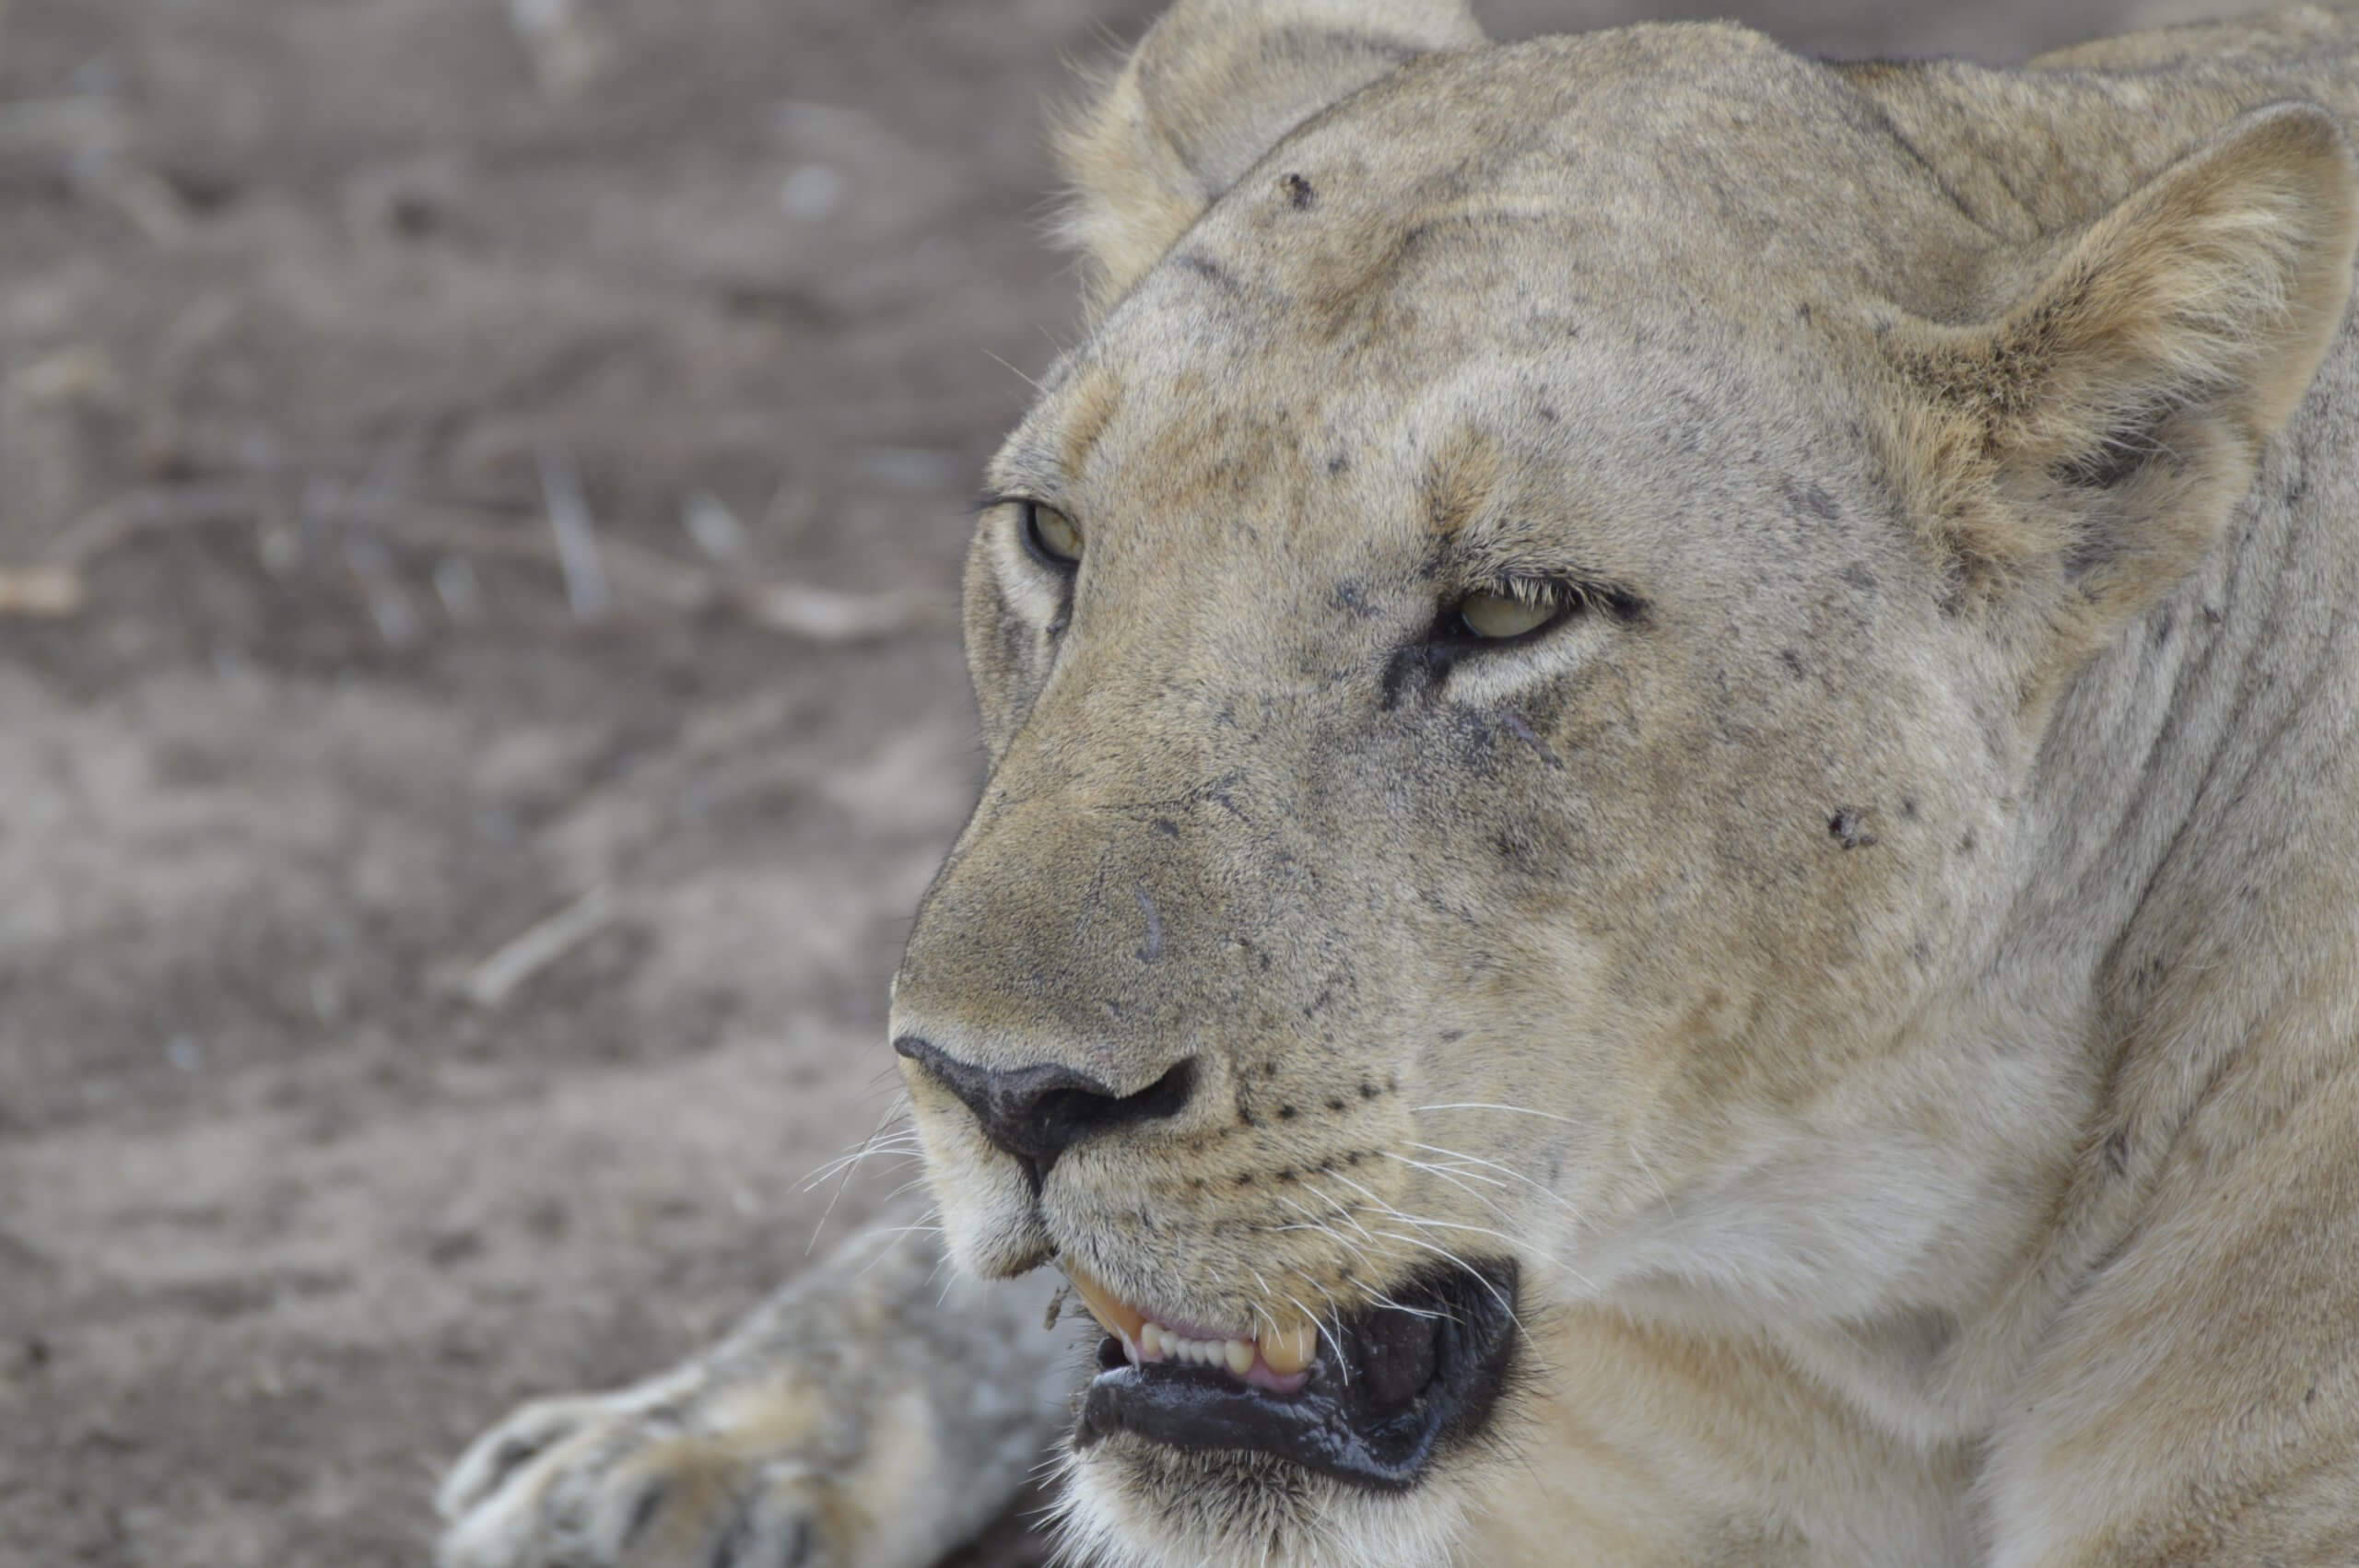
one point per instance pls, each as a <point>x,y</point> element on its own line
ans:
<point>2097,436</point>
<point>1214,85</point>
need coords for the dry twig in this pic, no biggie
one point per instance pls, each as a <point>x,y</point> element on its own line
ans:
<point>49,591</point>
<point>495,979</point>
<point>576,536</point>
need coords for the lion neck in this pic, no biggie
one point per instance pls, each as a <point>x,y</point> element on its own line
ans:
<point>2180,873</point>
<point>2184,878</point>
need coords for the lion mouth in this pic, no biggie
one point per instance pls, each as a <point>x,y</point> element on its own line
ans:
<point>1370,1401</point>
<point>1278,1358</point>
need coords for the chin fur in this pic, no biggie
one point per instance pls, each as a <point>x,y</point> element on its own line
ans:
<point>1130,1504</point>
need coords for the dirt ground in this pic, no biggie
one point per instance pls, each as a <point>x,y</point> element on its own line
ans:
<point>481,493</point>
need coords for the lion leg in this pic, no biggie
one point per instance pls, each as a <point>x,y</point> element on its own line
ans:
<point>872,1414</point>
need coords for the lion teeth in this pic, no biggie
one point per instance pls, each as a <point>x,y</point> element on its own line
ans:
<point>1159,1343</point>
<point>1285,1352</point>
<point>1125,1323</point>
<point>1288,1351</point>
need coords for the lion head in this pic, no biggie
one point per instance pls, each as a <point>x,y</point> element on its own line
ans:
<point>1510,658</point>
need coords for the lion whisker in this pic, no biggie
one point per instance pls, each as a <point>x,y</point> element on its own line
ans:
<point>1487,1106</point>
<point>1314,1222</point>
<point>1481,1278</point>
<point>1385,1208</point>
<point>899,1108</point>
<point>1661,1192</point>
<point>1537,1186</point>
<point>848,1165</point>
<point>1342,1211</point>
<point>1333,1341</point>
<point>903,1142</point>
<point>1483,1198</point>
<point>1457,1165</point>
<point>901,1231</point>
<point>1457,1225</point>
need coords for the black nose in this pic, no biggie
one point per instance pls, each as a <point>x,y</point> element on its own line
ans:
<point>1037,1113</point>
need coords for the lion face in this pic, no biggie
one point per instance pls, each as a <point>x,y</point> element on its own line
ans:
<point>1490,770</point>
<point>1465,766</point>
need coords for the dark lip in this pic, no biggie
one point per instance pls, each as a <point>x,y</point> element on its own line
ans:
<point>1411,1381</point>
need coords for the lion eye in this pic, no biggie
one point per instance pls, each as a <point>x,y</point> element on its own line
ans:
<point>1494,616</point>
<point>1051,535</point>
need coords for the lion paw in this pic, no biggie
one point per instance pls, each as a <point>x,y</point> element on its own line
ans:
<point>863,1418</point>
<point>660,1475</point>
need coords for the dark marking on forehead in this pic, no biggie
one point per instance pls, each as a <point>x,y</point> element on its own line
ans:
<point>1848,827</point>
<point>1299,192</point>
<point>1812,498</point>
<point>1317,46</point>
<point>1210,271</point>
<point>1351,596</point>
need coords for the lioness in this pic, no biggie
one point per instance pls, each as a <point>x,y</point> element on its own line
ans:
<point>1672,870</point>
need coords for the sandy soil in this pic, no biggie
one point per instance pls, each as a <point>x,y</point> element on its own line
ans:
<point>312,314</point>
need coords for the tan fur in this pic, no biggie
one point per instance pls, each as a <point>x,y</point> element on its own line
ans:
<point>873,1413</point>
<point>2187,320</point>
<point>1208,90</point>
<point>1808,1113</point>
<point>1893,985</point>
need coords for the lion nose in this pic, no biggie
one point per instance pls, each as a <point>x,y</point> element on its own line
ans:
<point>1037,1113</point>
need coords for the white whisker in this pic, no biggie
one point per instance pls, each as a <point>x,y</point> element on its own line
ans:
<point>1343,1212</point>
<point>1661,1192</point>
<point>1483,1199</point>
<point>1334,1343</point>
<point>1514,1243</point>
<point>899,1107</point>
<point>892,1147</point>
<point>1540,1186</point>
<point>1457,1165</point>
<point>1480,1278</point>
<point>1485,1105</point>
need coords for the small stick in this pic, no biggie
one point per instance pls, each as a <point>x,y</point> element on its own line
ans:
<point>713,527</point>
<point>496,979</point>
<point>576,536</point>
<point>49,592</point>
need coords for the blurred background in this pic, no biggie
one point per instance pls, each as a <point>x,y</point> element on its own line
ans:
<point>482,486</point>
